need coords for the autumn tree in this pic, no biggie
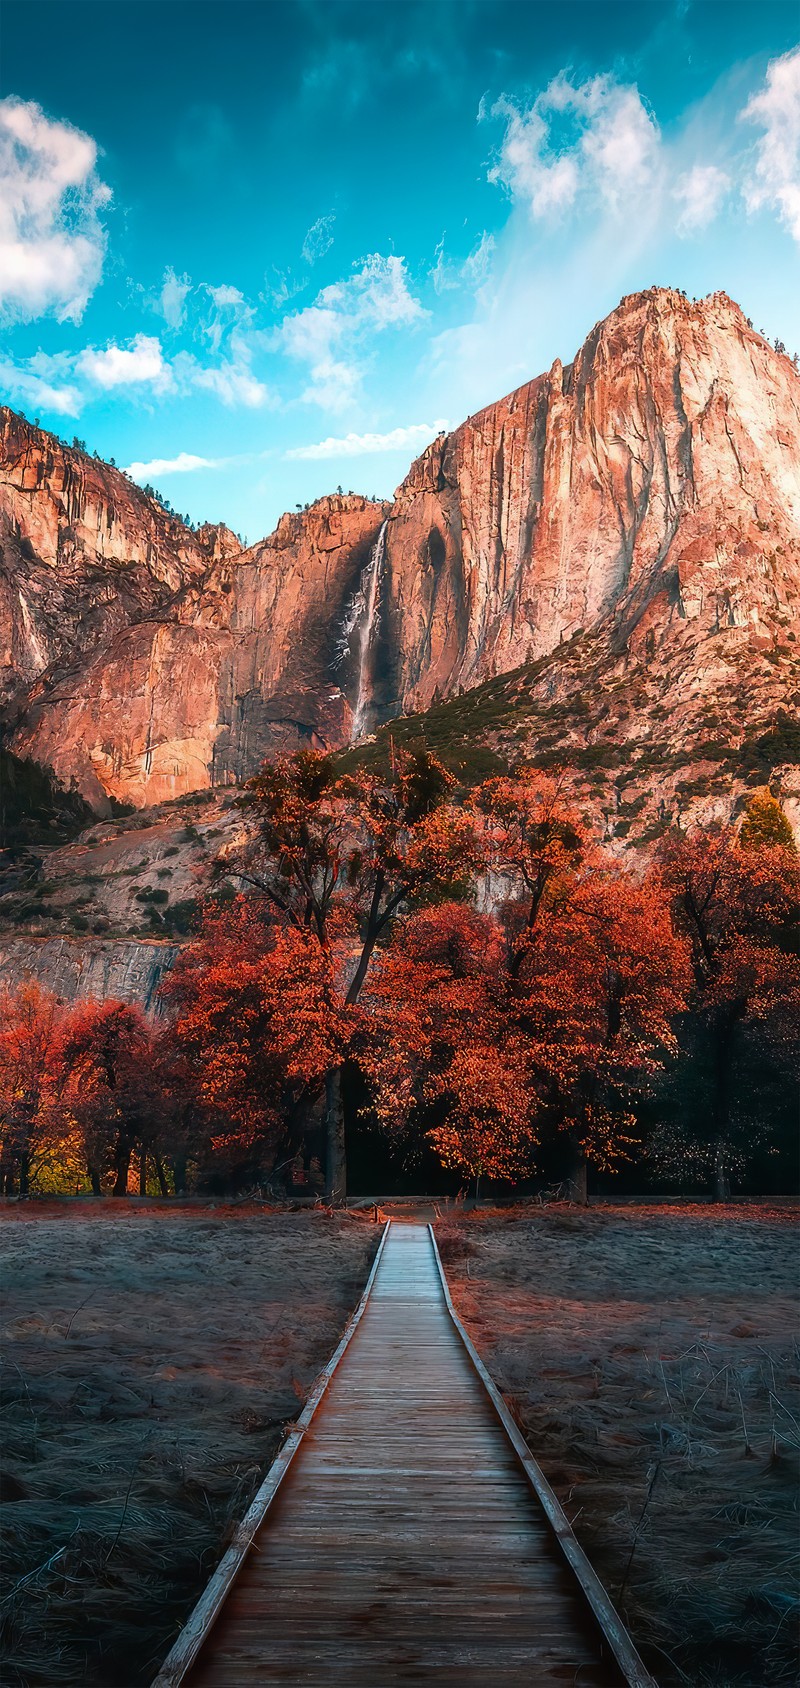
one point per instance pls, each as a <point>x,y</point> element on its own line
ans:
<point>337,856</point>
<point>738,903</point>
<point>113,1089</point>
<point>255,1027</point>
<point>596,997</point>
<point>555,1014</point>
<point>32,1129</point>
<point>443,1057</point>
<point>534,842</point>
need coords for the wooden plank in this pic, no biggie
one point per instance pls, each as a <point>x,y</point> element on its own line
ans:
<point>405,1543</point>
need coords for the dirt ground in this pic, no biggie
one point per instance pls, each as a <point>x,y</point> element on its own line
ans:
<point>152,1362</point>
<point>650,1355</point>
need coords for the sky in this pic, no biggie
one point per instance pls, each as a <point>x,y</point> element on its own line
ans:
<point>254,252</point>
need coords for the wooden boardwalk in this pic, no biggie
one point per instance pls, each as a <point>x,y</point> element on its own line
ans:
<point>404,1544</point>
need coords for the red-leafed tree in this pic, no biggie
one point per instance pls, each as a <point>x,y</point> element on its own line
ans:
<point>488,1035</point>
<point>738,903</point>
<point>31,1082</point>
<point>257,1027</point>
<point>596,996</point>
<point>113,1090</point>
<point>336,857</point>
<point>443,1056</point>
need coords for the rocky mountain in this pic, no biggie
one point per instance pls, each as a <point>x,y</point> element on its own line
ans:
<point>620,538</point>
<point>654,481</point>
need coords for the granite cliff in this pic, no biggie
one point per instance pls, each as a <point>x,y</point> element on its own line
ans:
<point>653,482</point>
<point>628,526</point>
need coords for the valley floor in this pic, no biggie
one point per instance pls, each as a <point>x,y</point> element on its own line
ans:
<point>152,1360</point>
<point>651,1357</point>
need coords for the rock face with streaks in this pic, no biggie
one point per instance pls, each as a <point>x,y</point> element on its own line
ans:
<point>653,482</point>
<point>83,554</point>
<point>128,970</point>
<point>641,504</point>
<point>144,660</point>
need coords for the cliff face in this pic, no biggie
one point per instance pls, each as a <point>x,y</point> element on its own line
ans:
<point>83,554</point>
<point>641,505</point>
<point>127,970</point>
<point>244,662</point>
<point>655,480</point>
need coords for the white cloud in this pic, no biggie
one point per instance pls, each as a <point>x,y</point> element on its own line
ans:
<point>233,382</point>
<point>776,110</point>
<point>142,362</point>
<point>596,137</point>
<point>329,334</point>
<point>36,392</point>
<point>185,463</point>
<point>230,312</point>
<point>476,267</point>
<point>319,238</point>
<point>473,272</point>
<point>172,298</point>
<point>415,435</point>
<point>66,381</point>
<point>51,238</point>
<point>227,298</point>
<point>700,192</point>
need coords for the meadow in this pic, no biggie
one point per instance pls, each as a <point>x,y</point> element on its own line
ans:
<point>650,1356</point>
<point>153,1361</point>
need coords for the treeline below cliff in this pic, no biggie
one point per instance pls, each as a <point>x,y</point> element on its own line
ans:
<point>459,994</point>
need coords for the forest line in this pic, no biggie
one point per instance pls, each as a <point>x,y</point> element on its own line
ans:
<point>476,978</point>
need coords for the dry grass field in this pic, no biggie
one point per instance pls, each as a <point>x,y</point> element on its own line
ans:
<point>651,1358</point>
<point>152,1361</point>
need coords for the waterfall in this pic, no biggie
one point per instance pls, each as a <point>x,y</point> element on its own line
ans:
<point>366,615</point>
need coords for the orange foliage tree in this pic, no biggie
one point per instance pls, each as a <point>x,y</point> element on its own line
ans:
<point>442,1054</point>
<point>596,995</point>
<point>595,974</point>
<point>113,1091</point>
<point>32,1124</point>
<point>257,1027</point>
<point>336,857</point>
<point>557,1013</point>
<point>535,842</point>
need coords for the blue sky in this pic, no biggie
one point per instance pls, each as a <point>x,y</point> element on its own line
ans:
<point>257,251</point>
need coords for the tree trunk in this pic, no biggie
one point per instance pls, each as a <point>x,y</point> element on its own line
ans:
<point>578,1183</point>
<point>143,1171</point>
<point>24,1173</point>
<point>336,1169</point>
<point>122,1165</point>
<point>161,1175</point>
<point>723,1076</point>
<point>722,1183</point>
<point>94,1179</point>
<point>179,1174</point>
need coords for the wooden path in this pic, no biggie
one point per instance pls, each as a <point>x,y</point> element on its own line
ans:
<point>405,1544</point>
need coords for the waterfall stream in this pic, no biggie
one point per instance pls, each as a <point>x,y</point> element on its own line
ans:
<point>367,607</point>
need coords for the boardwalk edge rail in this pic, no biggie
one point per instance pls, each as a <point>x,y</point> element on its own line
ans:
<point>603,1611</point>
<point>187,1646</point>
